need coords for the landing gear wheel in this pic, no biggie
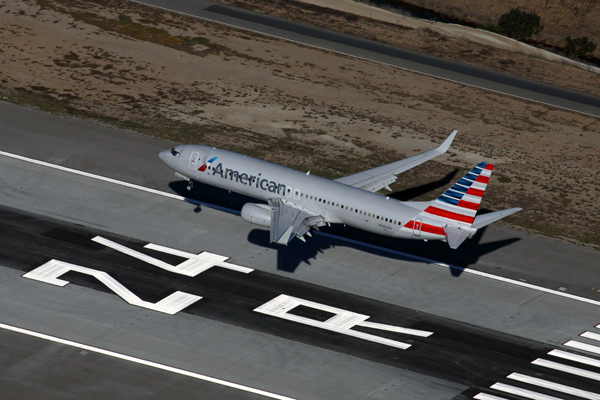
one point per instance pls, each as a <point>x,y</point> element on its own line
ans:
<point>190,186</point>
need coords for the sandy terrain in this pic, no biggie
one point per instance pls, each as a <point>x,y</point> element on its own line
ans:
<point>200,82</point>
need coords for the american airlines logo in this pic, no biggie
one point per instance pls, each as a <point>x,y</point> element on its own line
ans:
<point>247,179</point>
<point>282,306</point>
<point>203,166</point>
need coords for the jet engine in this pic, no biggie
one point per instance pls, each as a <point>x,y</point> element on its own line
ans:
<point>258,214</point>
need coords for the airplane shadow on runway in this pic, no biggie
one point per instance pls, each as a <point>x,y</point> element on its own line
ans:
<point>291,256</point>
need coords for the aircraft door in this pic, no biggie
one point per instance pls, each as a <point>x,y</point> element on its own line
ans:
<point>417,227</point>
<point>297,194</point>
<point>193,160</point>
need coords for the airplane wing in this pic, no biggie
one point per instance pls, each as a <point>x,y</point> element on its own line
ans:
<point>289,219</point>
<point>375,179</point>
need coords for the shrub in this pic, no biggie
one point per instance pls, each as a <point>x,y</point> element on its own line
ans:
<point>519,25</point>
<point>580,47</point>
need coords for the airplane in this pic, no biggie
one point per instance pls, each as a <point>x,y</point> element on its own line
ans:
<point>298,202</point>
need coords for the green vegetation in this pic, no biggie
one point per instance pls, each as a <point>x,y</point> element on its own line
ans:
<point>71,56</point>
<point>519,25</point>
<point>516,24</point>
<point>580,47</point>
<point>504,179</point>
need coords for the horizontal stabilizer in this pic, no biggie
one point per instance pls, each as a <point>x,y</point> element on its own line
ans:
<point>455,235</point>
<point>486,219</point>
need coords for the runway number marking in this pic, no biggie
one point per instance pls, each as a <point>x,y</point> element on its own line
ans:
<point>341,322</point>
<point>50,271</point>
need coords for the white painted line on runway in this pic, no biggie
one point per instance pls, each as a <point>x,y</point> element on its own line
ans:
<point>398,329</point>
<point>529,394</point>
<point>116,182</point>
<point>371,246</point>
<point>590,335</point>
<point>364,58</point>
<point>575,357</point>
<point>144,362</point>
<point>465,270</point>
<point>567,368</point>
<point>485,396</point>
<point>554,386</point>
<point>583,346</point>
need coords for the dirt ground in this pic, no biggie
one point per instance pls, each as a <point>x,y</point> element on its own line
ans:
<point>193,81</point>
<point>430,42</point>
<point>560,18</point>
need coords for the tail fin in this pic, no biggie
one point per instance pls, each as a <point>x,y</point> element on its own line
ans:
<point>459,204</point>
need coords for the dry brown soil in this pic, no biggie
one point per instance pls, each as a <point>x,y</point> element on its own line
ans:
<point>560,18</point>
<point>200,82</point>
<point>427,41</point>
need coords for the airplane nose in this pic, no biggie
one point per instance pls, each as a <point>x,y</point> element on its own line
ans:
<point>164,156</point>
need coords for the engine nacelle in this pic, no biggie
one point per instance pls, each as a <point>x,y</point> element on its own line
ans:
<point>258,214</point>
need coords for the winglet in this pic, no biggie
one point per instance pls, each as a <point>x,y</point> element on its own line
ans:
<point>442,148</point>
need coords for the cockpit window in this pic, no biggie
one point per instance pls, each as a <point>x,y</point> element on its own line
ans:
<point>175,152</point>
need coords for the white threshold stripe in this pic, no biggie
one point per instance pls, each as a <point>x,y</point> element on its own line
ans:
<point>331,49</point>
<point>485,396</point>
<point>583,346</point>
<point>567,368</point>
<point>575,357</point>
<point>590,335</point>
<point>529,394</point>
<point>144,362</point>
<point>554,386</point>
<point>371,246</point>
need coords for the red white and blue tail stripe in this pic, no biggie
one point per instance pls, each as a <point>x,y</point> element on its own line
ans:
<point>458,205</point>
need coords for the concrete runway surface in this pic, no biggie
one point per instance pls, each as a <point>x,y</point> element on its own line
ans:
<point>514,320</point>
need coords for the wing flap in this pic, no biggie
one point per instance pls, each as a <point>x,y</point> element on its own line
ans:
<point>289,220</point>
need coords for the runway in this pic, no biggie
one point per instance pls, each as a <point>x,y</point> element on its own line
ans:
<point>377,52</point>
<point>486,336</point>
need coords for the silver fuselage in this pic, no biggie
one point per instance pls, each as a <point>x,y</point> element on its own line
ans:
<point>335,202</point>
